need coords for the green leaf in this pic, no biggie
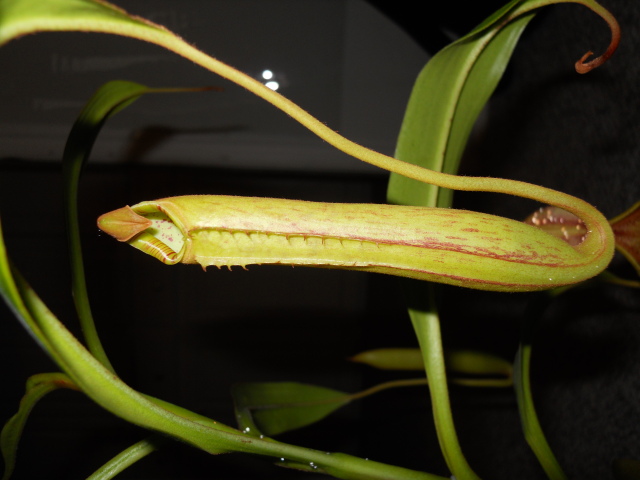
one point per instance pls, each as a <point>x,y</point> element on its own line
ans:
<point>127,457</point>
<point>445,102</point>
<point>37,387</point>
<point>92,377</point>
<point>111,393</point>
<point>472,362</point>
<point>108,100</point>
<point>531,427</point>
<point>11,294</point>
<point>446,99</point>
<point>275,407</point>
<point>453,88</point>
<point>21,17</point>
<point>465,362</point>
<point>391,358</point>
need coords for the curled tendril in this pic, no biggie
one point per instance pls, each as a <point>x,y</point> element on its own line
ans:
<point>584,66</point>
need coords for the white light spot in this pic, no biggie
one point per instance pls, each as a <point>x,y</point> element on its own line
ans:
<point>273,85</point>
<point>267,74</point>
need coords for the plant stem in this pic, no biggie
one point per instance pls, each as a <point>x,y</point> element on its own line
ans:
<point>426,324</point>
<point>126,458</point>
<point>522,382</point>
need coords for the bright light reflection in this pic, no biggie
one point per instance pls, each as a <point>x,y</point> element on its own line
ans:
<point>272,85</point>
<point>267,74</point>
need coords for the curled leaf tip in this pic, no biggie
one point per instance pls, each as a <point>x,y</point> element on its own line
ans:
<point>584,66</point>
<point>123,223</point>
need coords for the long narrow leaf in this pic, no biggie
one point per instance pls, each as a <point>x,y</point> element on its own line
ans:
<point>531,427</point>
<point>464,367</point>
<point>101,17</point>
<point>445,102</point>
<point>277,407</point>
<point>435,130</point>
<point>37,387</point>
<point>108,391</point>
<point>126,458</point>
<point>272,408</point>
<point>108,100</point>
<point>437,124</point>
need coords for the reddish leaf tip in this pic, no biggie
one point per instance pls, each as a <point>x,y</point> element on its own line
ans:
<point>626,228</point>
<point>582,66</point>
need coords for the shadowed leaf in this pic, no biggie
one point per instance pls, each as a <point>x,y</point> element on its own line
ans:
<point>37,387</point>
<point>127,457</point>
<point>437,123</point>
<point>108,100</point>
<point>277,407</point>
<point>464,367</point>
<point>440,115</point>
<point>391,358</point>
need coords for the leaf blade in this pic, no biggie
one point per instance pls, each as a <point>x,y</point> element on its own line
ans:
<point>271,408</point>
<point>440,116</point>
<point>37,387</point>
<point>109,99</point>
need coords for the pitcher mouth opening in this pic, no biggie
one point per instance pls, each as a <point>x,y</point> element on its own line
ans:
<point>147,228</point>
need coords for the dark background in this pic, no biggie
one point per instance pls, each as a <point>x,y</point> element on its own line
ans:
<point>187,336</point>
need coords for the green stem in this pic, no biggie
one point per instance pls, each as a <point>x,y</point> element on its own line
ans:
<point>108,391</point>
<point>126,458</point>
<point>522,382</point>
<point>426,324</point>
